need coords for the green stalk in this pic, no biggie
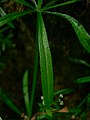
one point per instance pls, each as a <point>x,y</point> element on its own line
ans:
<point>61,4</point>
<point>40,4</point>
<point>34,79</point>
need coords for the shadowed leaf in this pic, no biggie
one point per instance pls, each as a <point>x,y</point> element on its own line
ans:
<point>25,92</point>
<point>25,3</point>
<point>8,102</point>
<point>83,80</point>
<point>12,16</point>
<point>81,33</point>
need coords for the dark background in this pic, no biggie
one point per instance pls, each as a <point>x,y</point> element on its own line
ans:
<point>64,44</point>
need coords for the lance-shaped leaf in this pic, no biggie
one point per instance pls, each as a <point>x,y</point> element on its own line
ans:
<point>25,3</point>
<point>64,91</point>
<point>25,92</point>
<point>8,102</point>
<point>12,16</point>
<point>50,3</point>
<point>79,61</point>
<point>81,33</point>
<point>46,7</point>
<point>2,12</point>
<point>40,3</point>
<point>45,62</point>
<point>83,80</point>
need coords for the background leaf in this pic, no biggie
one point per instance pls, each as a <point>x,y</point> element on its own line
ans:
<point>83,80</point>
<point>64,91</point>
<point>45,62</point>
<point>82,34</point>
<point>12,16</point>
<point>2,12</point>
<point>8,102</point>
<point>34,77</point>
<point>50,6</point>
<point>49,113</point>
<point>79,61</point>
<point>25,92</point>
<point>25,3</point>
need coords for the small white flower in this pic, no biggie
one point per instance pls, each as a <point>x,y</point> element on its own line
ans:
<point>61,103</point>
<point>61,95</point>
<point>42,97</point>
<point>0,118</point>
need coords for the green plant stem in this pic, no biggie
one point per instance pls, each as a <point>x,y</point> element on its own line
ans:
<point>40,3</point>
<point>61,4</point>
<point>34,79</point>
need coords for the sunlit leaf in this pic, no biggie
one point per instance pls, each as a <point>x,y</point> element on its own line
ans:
<point>12,16</point>
<point>82,34</point>
<point>83,80</point>
<point>45,62</point>
<point>8,102</point>
<point>25,92</point>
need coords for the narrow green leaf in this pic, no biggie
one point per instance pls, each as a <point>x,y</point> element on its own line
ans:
<point>50,3</point>
<point>25,92</point>
<point>64,91</point>
<point>83,80</point>
<point>4,29</point>
<point>34,78</point>
<point>3,14</point>
<point>45,62</point>
<point>12,16</point>
<point>61,4</point>
<point>40,3</point>
<point>8,102</point>
<point>84,116</point>
<point>79,108</point>
<point>79,61</point>
<point>48,112</point>
<point>81,33</point>
<point>88,98</point>
<point>75,111</point>
<point>25,3</point>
